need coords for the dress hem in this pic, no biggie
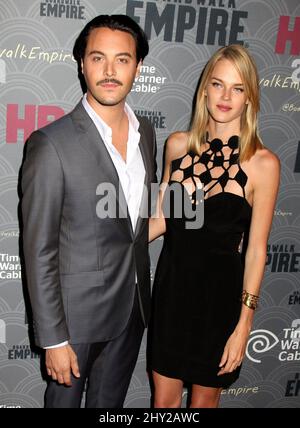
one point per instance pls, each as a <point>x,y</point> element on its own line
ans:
<point>203,382</point>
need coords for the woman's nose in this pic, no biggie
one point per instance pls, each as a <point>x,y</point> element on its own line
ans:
<point>226,93</point>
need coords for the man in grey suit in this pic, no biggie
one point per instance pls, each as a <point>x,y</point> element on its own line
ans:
<point>88,273</point>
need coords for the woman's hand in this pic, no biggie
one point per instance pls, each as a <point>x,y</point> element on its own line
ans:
<point>234,350</point>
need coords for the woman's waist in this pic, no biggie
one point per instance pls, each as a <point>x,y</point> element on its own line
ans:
<point>203,239</point>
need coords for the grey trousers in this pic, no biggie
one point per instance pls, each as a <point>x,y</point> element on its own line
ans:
<point>107,367</point>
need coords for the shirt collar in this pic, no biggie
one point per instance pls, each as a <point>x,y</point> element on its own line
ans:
<point>101,125</point>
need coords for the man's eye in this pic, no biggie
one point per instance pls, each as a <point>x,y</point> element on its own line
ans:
<point>123,60</point>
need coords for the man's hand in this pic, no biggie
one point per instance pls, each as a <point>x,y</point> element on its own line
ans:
<point>60,362</point>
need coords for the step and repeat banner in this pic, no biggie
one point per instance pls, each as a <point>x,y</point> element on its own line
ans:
<point>38,84</point>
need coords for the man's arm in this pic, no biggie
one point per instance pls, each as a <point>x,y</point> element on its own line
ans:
<point>42,201</point>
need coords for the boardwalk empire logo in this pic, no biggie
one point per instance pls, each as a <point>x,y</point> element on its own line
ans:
<point>71,9</point>
<point>212,22</point>
<point>283,257</point>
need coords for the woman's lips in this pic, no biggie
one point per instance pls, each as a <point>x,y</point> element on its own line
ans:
<point>223,108</point>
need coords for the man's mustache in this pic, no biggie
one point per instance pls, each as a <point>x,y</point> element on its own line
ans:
<point>104,81</point>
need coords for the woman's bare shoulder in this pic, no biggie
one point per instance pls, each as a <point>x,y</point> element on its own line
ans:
<point>176,145</point>
<point>264,165</point>
<point>265,160</point>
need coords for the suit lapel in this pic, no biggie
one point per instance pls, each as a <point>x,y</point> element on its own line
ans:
<point>90,140</point>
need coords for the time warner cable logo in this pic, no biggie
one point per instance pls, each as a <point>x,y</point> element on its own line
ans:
<point>261,341</point>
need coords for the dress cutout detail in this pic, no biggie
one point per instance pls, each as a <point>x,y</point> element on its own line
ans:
<point>212,160</point>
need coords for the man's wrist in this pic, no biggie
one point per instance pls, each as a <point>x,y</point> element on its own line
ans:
<point>59,345</point>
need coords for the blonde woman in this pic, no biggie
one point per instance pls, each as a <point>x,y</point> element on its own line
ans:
<point>208,279</point>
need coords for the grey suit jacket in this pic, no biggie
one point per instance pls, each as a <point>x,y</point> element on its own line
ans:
<point>81,268</point>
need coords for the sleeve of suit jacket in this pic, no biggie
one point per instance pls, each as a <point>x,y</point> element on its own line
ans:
<point>42,201</point>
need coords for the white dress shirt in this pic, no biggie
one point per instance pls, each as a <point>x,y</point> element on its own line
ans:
<point>131,173</point>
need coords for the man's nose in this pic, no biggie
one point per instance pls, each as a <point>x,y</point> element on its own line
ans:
<point>109,69</point>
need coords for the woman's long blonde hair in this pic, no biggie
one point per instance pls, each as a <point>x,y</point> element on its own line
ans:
<point>249,140</point>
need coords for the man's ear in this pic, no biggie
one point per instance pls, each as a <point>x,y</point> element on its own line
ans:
<point>138,68</point>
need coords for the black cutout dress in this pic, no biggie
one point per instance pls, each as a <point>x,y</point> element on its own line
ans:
<point>199,279</point>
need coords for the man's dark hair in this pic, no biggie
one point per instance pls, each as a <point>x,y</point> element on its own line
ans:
<point>114,22</point>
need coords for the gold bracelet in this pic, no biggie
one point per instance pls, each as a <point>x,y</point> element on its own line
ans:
<point>250,300</point>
